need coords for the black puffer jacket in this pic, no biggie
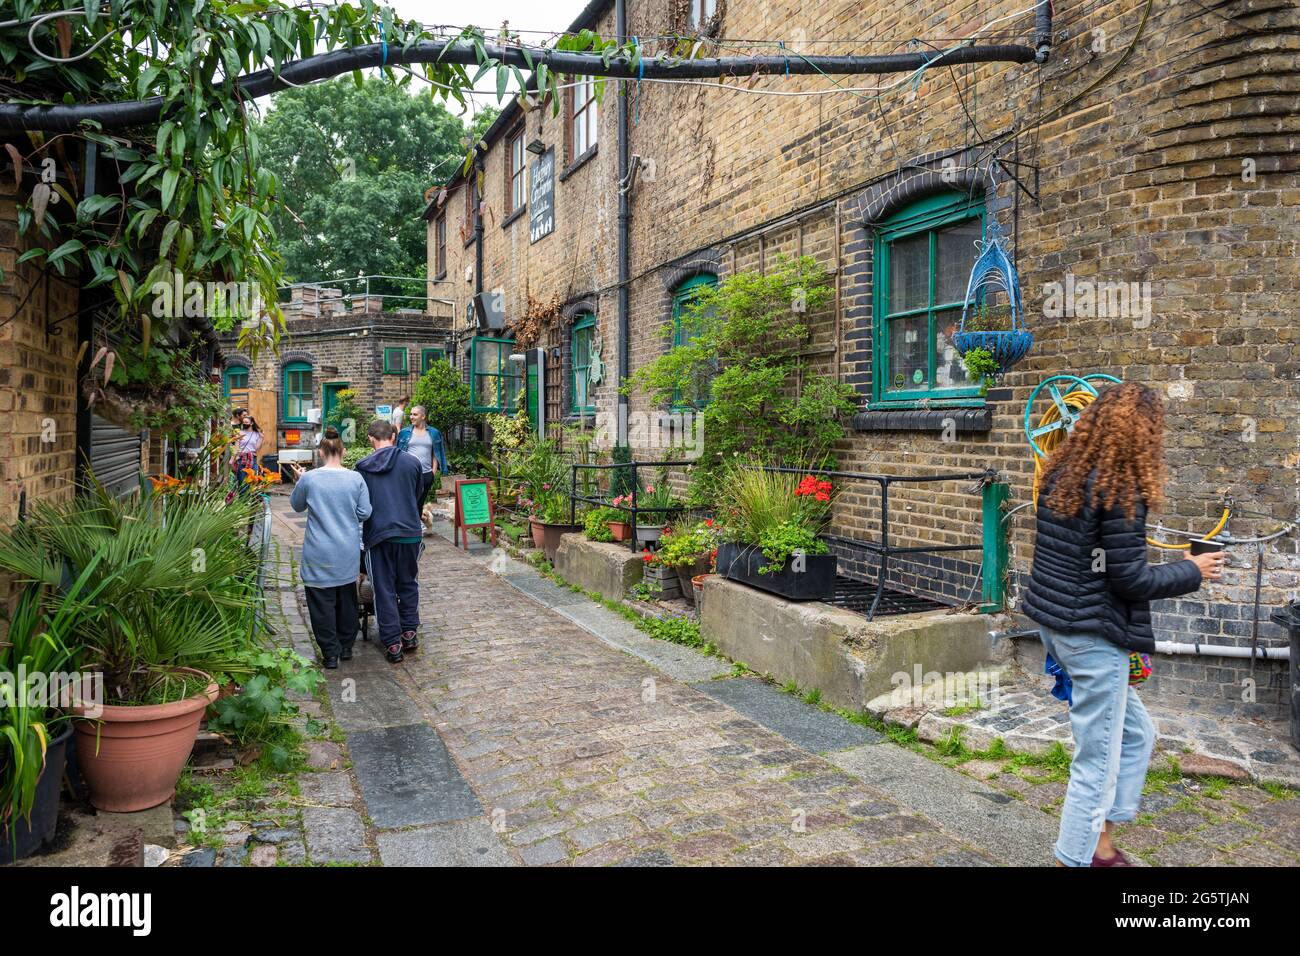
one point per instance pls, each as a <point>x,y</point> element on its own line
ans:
<point>1091,575</point>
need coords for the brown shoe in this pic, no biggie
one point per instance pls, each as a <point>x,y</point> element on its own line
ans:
<point>1119,859</point>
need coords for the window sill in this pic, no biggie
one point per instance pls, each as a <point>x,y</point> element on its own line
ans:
<point>580,161</point>
<point>962,419</point>
<point>505,223</point>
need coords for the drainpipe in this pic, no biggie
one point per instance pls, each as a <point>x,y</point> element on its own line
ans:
<point>624,217</point>
<point>1042,30</point>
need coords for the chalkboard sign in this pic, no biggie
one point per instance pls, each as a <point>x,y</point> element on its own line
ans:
<point>541,196</point>
<point>473,509</point>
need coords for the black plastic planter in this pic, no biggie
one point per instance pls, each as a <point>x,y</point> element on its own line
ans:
<point>814,582</point>
<point>21,840</point>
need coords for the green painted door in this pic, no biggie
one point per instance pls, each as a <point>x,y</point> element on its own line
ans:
<point>329,397</point>
<point>534,391</point>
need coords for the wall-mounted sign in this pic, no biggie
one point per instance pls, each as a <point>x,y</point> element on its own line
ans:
<point>293,436</point>
<point>541,196</point>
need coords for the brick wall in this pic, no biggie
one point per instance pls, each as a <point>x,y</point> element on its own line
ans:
<point>344,344</point>
<point>38,392</point>
<point>1172,165</point>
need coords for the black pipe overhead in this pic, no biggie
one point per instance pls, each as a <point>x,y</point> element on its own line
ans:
<point>338,62</point>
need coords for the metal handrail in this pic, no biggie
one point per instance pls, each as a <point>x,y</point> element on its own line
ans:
<point>635,509</point>
<point>883,548</point>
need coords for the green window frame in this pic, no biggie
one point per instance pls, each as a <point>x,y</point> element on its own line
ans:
<point>495,380</point>
<point>923,257</point>
<point>683,296</point>
<point>395,360</point>
<point>236,376</point>
<point>581,338</point>
<point>428,357</point>
<point>297,391</point>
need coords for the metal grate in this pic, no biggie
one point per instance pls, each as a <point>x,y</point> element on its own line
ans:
<point>854,595</point>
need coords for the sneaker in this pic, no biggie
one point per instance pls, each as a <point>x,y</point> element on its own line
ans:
<point>1119,859</point>
<point>331,663</point>
<point>393,653</point>
<point>410,642</point>
<point>345,654</point>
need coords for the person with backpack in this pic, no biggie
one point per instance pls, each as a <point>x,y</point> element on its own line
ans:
<point>392,537</point>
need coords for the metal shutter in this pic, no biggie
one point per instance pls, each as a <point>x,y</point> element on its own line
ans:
<point>114,456</point>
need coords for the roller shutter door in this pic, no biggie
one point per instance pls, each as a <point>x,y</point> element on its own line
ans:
<point>114,456</point>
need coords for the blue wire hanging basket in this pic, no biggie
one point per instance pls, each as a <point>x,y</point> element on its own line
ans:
<point>994,271</point>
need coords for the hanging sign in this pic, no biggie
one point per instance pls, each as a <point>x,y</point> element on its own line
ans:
<point>541,196</point>
<point>473,509</point>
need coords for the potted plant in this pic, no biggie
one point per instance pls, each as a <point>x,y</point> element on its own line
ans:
<point>620,526</point>
<point>655,505</point>
<point>539,473</point>
<point>34,726</point>
<point>771,539</point>
<point>688,549</point>
<point>174,603</point>
<point>599,522</point>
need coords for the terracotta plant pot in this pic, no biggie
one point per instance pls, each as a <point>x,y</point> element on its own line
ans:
<point>686,575</point>
<point>697,585</point>
<point>132,757</point>
<point>547,536</point>
<point>621,530</point>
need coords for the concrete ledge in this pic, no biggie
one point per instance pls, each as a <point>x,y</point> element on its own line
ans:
<point>608,569</point>
<point>849,659</point>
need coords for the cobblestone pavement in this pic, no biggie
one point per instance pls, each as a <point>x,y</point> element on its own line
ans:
<point>554,747</point>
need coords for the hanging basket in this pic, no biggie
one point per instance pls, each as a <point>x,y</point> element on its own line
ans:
<point>994,271</point>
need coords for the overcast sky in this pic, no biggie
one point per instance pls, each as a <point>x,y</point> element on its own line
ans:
<point>551,16</point>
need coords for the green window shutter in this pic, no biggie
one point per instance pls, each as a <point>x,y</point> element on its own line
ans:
<point>297,391</point>
<point>923,257</point>
<point>581,337</point>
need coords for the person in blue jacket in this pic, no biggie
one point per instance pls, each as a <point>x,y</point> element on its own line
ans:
<point>424,442</point>
<point>392,540</point>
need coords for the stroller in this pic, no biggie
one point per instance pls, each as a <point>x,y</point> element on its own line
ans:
<point>365,597</point>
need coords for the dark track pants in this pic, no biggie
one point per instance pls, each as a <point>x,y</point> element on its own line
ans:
<point>334,619</point>
<point>393,569</point>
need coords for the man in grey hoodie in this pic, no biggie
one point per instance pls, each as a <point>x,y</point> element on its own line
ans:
<point>392,538</point>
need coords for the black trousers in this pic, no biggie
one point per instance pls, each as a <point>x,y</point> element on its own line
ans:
<point>334,619</point>
<point>426,483</point>
<point>394,574</point>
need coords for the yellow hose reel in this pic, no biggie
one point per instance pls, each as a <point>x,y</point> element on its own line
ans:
<point>1070,395</point>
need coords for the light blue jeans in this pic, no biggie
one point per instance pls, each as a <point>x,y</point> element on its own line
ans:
<point>1113,740</point>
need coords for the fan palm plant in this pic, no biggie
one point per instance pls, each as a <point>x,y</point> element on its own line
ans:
<point>174,582</point>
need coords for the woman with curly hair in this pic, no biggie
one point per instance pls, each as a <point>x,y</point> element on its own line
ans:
<point>1089,591</point>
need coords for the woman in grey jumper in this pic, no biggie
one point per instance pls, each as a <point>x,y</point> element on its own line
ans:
<point>336,501</point>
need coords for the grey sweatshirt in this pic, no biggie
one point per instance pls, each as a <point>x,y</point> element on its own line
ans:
<point>336,501</point>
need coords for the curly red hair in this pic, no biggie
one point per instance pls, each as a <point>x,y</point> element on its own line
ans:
<point>1120,438</point>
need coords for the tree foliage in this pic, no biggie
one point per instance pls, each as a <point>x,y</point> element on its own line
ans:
<point>353,164</point>
<point>445,397</point>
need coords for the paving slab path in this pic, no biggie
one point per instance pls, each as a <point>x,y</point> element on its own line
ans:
<point>535,727</point>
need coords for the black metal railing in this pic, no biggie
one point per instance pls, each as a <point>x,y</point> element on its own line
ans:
<point>634,510</point>
<point>883,548</point>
